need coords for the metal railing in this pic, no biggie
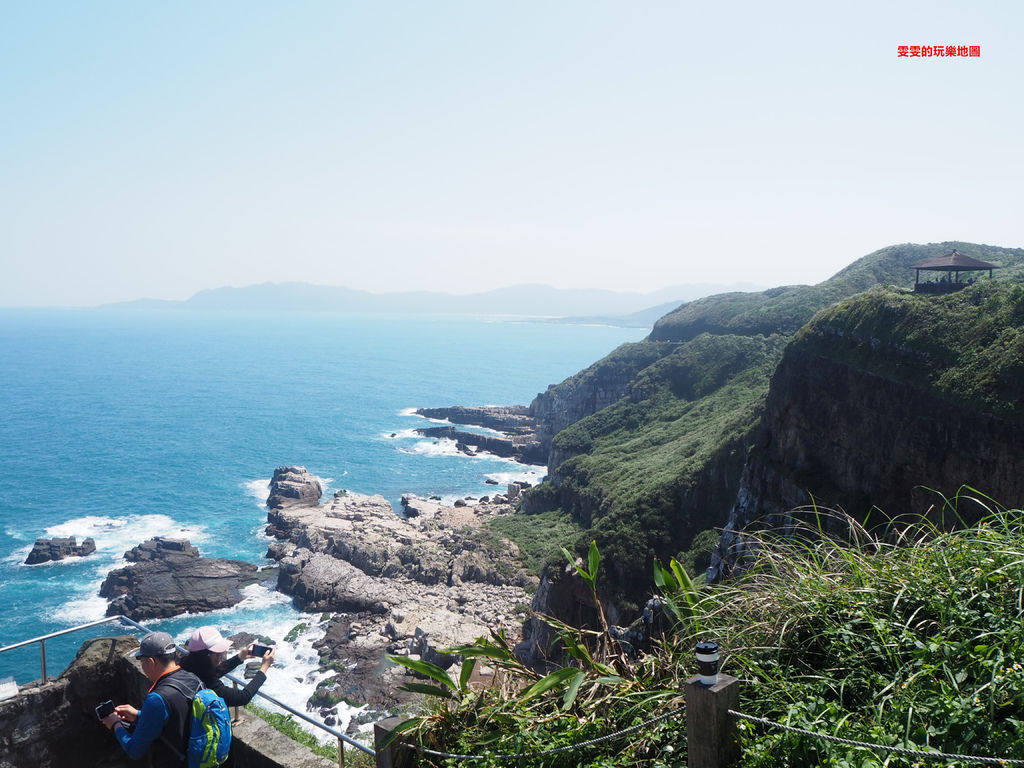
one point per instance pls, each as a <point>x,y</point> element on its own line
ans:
<point>125,621</point>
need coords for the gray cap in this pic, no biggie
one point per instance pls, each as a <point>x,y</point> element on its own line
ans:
<point>156,644</point>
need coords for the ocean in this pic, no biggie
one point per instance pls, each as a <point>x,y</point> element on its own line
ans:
<point>124,425</point>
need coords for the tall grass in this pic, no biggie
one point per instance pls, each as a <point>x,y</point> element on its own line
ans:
<point>909,637</point>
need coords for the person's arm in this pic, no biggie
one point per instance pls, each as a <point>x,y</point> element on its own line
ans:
<point>239,697</point>
<point>148,726</point>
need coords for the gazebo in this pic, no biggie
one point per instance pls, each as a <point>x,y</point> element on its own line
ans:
<point>952,264</point>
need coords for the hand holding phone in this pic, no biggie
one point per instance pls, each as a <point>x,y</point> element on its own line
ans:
<point>259,651</point>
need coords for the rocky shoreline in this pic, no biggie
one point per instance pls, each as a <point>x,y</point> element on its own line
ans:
<point>400,584</point>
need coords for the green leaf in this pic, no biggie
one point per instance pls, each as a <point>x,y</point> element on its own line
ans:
<point>426,669</point>
<point>467,671</point>
<point>587,577</point>
<point>399,729</point>
<point>548,682</point>
<point>429,690</point>
<point>572,690</point>
<point>593,560</point>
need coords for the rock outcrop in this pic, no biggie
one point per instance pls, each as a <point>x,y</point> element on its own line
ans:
<point>293,486</point>
<point>58,548</point>
<point>389,580</point>
<point>170,578</point>
<point>510,419</point>
<point>518,439</point>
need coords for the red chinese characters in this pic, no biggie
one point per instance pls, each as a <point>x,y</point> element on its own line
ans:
<point>929,51</point>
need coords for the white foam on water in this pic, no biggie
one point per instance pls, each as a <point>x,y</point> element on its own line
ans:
<point>412,412</point>
<point>258,489</point>
<point>81,610</point>
<point>440,447</point>
<point>523,473</point>
<point>402,434</point>
<point>113,536</point>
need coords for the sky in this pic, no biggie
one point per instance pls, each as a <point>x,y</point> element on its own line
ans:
<point>153,150</point>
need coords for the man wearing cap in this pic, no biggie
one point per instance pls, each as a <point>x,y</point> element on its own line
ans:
<point>161,726</point>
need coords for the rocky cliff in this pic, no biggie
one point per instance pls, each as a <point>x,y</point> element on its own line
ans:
<point>293,486</point>
<point>888,404</point>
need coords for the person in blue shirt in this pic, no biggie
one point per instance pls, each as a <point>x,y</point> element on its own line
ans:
<point>161,726</point>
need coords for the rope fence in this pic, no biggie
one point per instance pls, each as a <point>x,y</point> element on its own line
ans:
<point>558,750</point>
<point>710,740</point>
<point>878,747</point>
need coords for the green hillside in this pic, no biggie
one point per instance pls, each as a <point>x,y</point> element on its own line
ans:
<point>966,346</point>
<point>647,474</point>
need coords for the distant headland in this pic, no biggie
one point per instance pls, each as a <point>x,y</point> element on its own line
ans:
<point>533,300</point>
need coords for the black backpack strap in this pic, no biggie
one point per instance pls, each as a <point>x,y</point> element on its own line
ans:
<point>187,692</point>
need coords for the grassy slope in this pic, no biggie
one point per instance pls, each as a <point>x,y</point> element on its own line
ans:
<point>658,467</point>
<point>967,346</point>
<point>912,644</point>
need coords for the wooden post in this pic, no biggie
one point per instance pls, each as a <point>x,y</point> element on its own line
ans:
<point>711,732</point>
<point>396,754</point>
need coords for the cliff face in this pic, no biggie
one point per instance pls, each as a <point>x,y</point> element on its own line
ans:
<point>858,440</point>
<point>599,386</point>
<point>873,410</point>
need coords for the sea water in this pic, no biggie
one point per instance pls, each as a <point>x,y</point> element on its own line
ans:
<point>124,425</point>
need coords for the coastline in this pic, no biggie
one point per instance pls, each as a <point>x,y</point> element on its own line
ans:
<point>396,584</point>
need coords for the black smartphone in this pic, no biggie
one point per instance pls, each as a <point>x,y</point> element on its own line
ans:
<point>259,651</point>
<point>104,709</point>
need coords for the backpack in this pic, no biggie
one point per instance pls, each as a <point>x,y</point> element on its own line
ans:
<point>209,727</point>
<point>210,730</point>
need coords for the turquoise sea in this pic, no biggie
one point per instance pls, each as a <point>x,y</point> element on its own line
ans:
<point>123,425</point>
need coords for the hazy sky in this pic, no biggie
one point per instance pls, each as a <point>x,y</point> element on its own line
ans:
<point>156,149</point>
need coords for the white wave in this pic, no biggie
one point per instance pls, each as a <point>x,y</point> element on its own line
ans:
<point>525,473</point>
<point>258,489</point>
<point>81,610</point>
<point>402,434</point>
<point>408,412</point>
<point>440,447</point>
<point>113,536</point>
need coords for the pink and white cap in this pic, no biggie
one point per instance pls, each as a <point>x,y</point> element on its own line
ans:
<point>207,639</point>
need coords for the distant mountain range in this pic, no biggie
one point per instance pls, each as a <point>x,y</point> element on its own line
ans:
<point>534,300</point>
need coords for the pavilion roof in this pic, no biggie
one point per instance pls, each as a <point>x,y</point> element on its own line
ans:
<point>955,261</point>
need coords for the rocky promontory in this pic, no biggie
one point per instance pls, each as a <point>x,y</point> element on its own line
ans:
<point>518,438</point>
<point>398,583</point>
<point>59,548</point>
<point>294,486</point>
<point>169,578</point>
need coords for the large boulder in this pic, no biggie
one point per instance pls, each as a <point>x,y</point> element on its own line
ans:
<point>293,486</point>
<point>58,548</point>
<point>170,578</point>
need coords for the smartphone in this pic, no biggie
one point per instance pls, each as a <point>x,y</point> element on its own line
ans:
<point>259,651</point>
<point>104,709</point>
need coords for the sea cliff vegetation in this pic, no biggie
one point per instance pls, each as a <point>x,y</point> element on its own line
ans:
<point>908,638</point>
<point>649,444</point>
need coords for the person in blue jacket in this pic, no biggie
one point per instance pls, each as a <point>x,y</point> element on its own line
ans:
<point>161,726</point>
